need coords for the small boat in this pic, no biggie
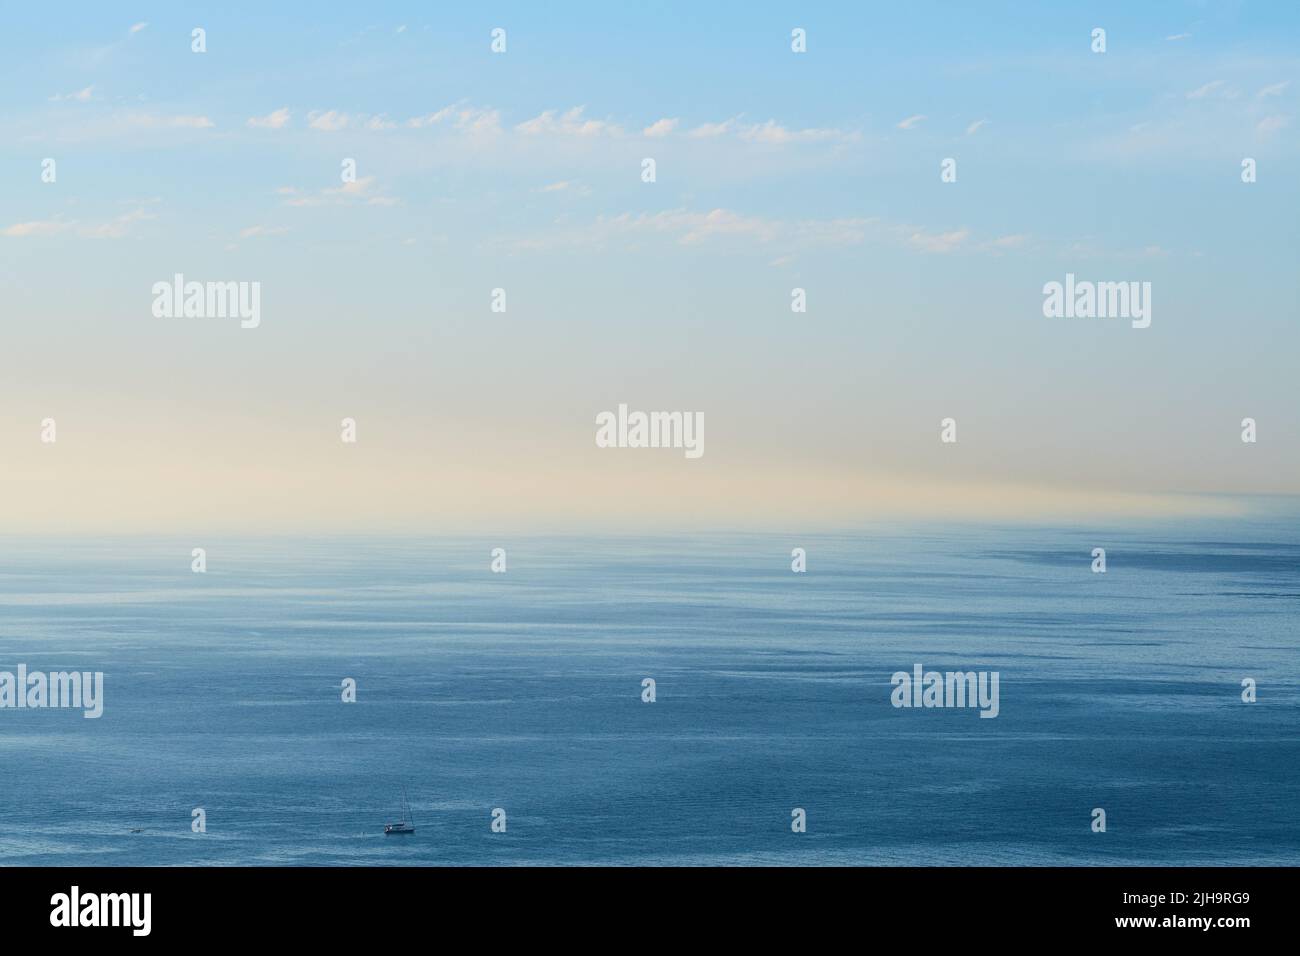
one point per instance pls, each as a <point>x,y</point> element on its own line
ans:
<point>404,823</point>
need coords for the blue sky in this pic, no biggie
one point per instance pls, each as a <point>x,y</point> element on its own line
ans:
<point>774,170</point>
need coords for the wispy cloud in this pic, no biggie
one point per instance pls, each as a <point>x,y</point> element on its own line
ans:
<point>329,121</point>
<point>708,130</point>
<point>22,230</point>
<point>1271,124</point>
<point>770,132</point>
<point>1203,91</point>
<point>115,228</point>
<point>470,119</point>
<point>1275,89</point>
<point>661,127</point>
<point>276,120</point>
<point>565,186</point>
<point>1179,36</point>
<point>783,238</point>
<point>262,231</point>
<point>939,242</point>
<point>974,127</point>
<point>136,120</point>
<point>773,133</point>
<point>431,119</point>
<point>136,28</point>
<point>177,122</point>
<point>358,192</point>
<point>80,96</point>
<point>332,121</point>
<point>691,228</point>
<point>1006,243</point>
<point>130,125</point>
<point>570,123</point>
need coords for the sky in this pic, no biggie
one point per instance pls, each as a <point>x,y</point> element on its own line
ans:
<point>522,170</point>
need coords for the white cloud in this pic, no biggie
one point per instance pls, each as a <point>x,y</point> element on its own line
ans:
<point>114,229</point>
<point>81,96</point>
<point>690,228</point>
<point>770,132</point>
<point>1002,243</point>
<point>163,121</point>
<point>276,120</point>
<point>570,187</point>
<point>974,127</point>
<point>780,239</point>
<point>661,127</point>
<point>431,119</point>
<point>464,118</point>
<point>20,230</point>
<point>773,133</point>
<point>478,121</point>
<point>1179,36</point>
<point>1203,91</point>
<point>569,123</point>
<point>572,123</point>
<point>138,27</point>
<point>940,242</point>
<point>111,229</point>
<point>117,124</point>
<point>708,130</point>
<point>254,231</point>
<point>469,119</point>
<point>1271,124</point>
<point>911,122</point>
<point>330,121</point>
<point>830,232</point>
<point>359,192</point>
<point>718,222</point>
<point>1275,89</point>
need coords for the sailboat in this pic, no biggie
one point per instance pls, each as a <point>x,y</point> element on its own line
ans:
<point>405,824</point>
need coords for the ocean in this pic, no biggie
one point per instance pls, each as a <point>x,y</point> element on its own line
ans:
<point>522,691</point>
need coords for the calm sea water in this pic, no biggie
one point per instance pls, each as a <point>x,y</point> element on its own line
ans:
<point>523,691</point>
